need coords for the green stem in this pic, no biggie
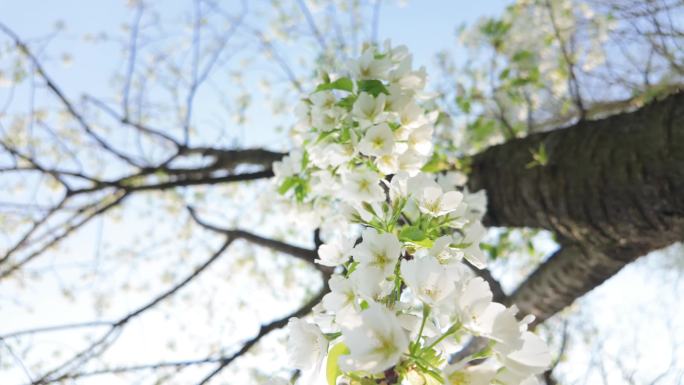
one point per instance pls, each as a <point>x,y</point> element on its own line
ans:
<point>426,314</point>
<point>453,329</point>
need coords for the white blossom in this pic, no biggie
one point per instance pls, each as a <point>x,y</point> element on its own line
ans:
<point>306,343</point>
<point>435,202</point>
<point>420,139</point>
<point>369,109</point>
<point>411,162</point>
<point>326,155</point>
<point>342,296</point>
<point>381,250</point>
<point>362,186</point>
<point>472,237</point>
<point>533,357</point>
<point>472,302</point>
<point>289,165</point>
<point>476,203</point>
<point>427,279</point>
<point>378,141</point>
<point>442,251</point>
<point>368,67</point>
<point>388,164</point>
<point>459,374</point>
<point>335,253</point>
<point>377,344</point>
<point>323,100</point>
<point>371,283</point>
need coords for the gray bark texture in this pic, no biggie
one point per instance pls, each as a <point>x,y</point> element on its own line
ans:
<point>612,191</point>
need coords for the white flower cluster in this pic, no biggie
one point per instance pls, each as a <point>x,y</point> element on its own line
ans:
<point>401,301</point>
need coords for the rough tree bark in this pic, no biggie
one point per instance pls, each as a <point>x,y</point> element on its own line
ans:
<point>612,191</point>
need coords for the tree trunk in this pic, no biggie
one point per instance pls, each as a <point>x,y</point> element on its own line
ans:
<point>612,190</point>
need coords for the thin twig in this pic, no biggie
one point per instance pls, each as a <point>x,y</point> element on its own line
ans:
<point>263,331</point>
<point>102,343</point>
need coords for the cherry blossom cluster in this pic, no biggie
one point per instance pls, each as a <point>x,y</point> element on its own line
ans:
<point>402,301</point>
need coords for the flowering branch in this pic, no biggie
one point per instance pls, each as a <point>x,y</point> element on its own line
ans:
<point>401,299</point>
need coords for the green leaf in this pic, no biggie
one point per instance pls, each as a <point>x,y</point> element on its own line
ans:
<point>464,104</point>
<point>332,368</point>
<point>323,135</point>
<point>344,84</point>
<point>345,135</point>
<point>437,163</point>
<point>332,336</point>
<point>287,184</point>
<point>493,27</point>
<point>300,185</point>
<point>432,357</point>
<point>523,56</point>
<point>351,267</point>
<point>481,129</point>
<point>301,190</point>
<point>373,87</point>
<point>462,245</point>
<point>305,160</point>
<point>539,157</point>
<point>347,103</point>
<point>411,233</point>
<point>368,207</point>
<point>425,243</point>
<point>496,31</point>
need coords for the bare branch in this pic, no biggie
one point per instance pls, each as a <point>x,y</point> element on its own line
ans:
<point>497,290</point>
<point>60,372</point>
<point>199,75</point>
<point>548,374</point>
<point>60,95</point>
<point>223,361</point>
<point>376,21</point>
<point>263,331</point>
<point>127,121</point>
<point>312,24</point>
<point>267,45</point>
<point>57,328</point>
<point>133,50</point>
<point>572,80</point>
<point>70,228</point>
<point>306,255</point>
<point>17,359</point>
<point>155,366</point>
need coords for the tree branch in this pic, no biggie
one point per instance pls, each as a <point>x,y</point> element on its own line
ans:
<point>312,24</point>
<point>612,190</point>
<point>68,229</point>
<point>61,372</point>
<point>57,328</point>
<point>306,255</point>
<point>52,86</point>
<point>497,290</point>
<point>263,331</point>
<point>548,374</point>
